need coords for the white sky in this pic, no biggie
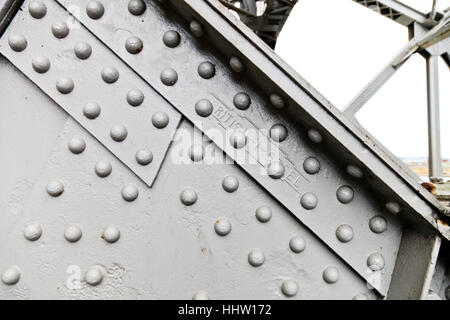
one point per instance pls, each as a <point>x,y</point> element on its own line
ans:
<point>339,46</point>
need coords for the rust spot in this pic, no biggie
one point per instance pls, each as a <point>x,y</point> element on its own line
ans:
<point>217,221</point>
<point>431,188</point>
<point>102,237</point>
<point>442,222</point>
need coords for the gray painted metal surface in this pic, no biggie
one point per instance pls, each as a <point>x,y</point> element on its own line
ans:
<point>354,140</point>
<point>101,81</point>
<point>415,265</point>
<point>166,249</point>
<point>316,177</point>
<point>220,90</point>
<point>8,9</point>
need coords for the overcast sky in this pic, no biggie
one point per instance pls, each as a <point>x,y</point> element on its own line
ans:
<point>339,46</point>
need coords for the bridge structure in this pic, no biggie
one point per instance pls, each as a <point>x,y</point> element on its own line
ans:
<point>162,150</point>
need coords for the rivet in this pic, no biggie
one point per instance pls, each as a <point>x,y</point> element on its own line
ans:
<point>263,214</point>
<point>278,133</point>
<point>275,170</point>
<point>365,296</point>
<point>393,207</point>
<point>171,38</point>
<point>330,275</point>
<point>238,139</point>
<point>241,101</point>
<point>169,76</point>
<point>82,50</point>
<point>118,133</point>
<point>256,257</point>
<point>277,101</point>
<point>130,192</point>
<point>110,74</point>
<point>196,152</point>
<point>95,10</point>
<point>314,136</point>
<point>160,120</point>
<point>360,296</point>
<point>41,64</point>
<point>206,70</point>
<point>230,183</point>
<point>136,7</point>
<point>354,171</point>
<point>111,234</point>
<point>33,231</point>
<point>134,45</point>
<point>378,224</point>
<point>236,64</point>
<point>375,261</point>
<point>188,197</point>
<point>309,201</point>
<point>297,244</point>
<point>289,288</point>
<point>94,275</point>
<point>344,233</point>
<point>135,97</point>
<point>65,85</point>
<point>60,30</point>
<point>200,295</point>
<point>196,29</point>
<point>204,107</point>
<point>11,275</point>
<point>55,188</point>
<point>77,145</point>
<point>37,9</point>
<point>103,168</point>
<point>222,227</point>
<point>345,194</point>
<point>144,156</point>
<point>17,42</point>
<point>91,110</point>
<point>73,233</point>
<point>311,165</point>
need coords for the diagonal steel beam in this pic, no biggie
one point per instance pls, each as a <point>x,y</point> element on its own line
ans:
<point>421,42</point>
<point>396,11</point>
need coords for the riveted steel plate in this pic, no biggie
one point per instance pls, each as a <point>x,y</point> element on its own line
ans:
<point>195,80</point>
<point>95,87</point>
<point>28,135</point>
<point>166,249</point>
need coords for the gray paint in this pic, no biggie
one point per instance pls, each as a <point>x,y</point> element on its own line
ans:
<point>151,217</point>
<point>88,86</point>
<point>220,90</point>
<point>166,249</point>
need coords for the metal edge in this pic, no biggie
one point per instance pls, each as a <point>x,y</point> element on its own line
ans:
<point>8,9</point>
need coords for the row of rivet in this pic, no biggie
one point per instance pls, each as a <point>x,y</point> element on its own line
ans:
<point>241,101</point>
<point>65,85</point>
<point>94,275</point>
<point>275,169</point>
<point>33,231</point>
<point>297,243</point>
<point>204,107</point>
